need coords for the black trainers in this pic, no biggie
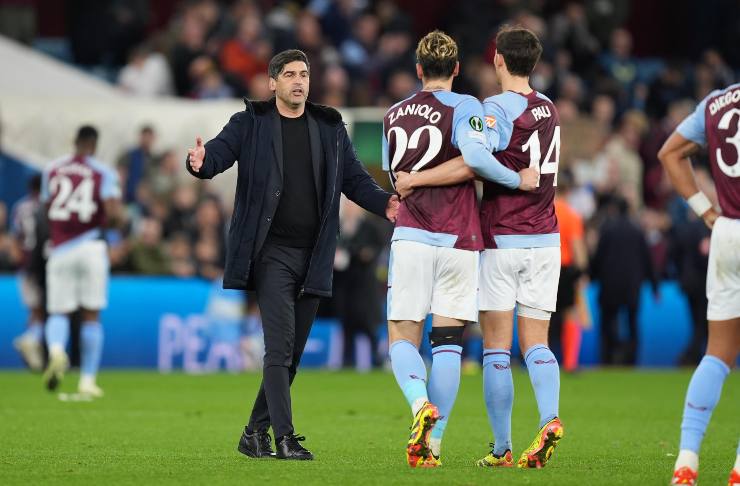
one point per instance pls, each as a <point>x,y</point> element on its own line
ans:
<point>256,444</point>
<point>289,447</point>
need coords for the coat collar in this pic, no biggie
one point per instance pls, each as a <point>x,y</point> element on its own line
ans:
<point>322,113</point>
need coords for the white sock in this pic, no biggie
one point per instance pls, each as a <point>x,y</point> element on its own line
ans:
<point>87,380</point>
<point>436,446</point>
<point>56,349</point>
<point>416,406</point>
<point>737,463</point>
<point>687,458</point>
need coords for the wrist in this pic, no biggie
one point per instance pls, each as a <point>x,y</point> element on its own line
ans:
<point>699,203</point>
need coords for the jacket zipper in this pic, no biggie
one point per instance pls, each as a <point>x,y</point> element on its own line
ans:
<point>323,220</point>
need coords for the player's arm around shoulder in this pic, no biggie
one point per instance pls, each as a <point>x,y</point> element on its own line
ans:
<point>220,153</point>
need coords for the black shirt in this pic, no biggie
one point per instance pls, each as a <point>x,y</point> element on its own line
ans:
<point>296,218</point>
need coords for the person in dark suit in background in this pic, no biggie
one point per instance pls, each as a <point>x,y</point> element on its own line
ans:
<point>295,160</point>
<point>621,263</point>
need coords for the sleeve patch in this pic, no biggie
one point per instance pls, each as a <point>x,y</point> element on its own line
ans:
<point>490,121</point>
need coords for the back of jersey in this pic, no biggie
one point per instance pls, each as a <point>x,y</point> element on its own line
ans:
<point>421,132</point>
<point>524,132</point>
<point>75,188</point>
<point>722,121</point>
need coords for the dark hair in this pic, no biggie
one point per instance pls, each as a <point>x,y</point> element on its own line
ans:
<point>86,134</point>
<point>521,49</point>
<point>278,62</point>
<point>34,183</point>
<point>147,129</point>
<point>437,55</point>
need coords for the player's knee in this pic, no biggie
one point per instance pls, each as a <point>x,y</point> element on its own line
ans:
<point>532,313</point>
<point>449,335</point>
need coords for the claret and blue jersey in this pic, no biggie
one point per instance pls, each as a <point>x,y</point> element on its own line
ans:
<point>423,131</point>
<point>524,131</point>
<point>716,124</point>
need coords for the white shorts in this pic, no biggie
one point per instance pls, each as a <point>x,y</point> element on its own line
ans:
<point>723,274</point>
<point>425,279</point>
<point>528,276</point>
<point>30,291</point>
<point>77,277</point>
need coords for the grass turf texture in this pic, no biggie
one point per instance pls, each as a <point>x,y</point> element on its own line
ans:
<point>621,427</point>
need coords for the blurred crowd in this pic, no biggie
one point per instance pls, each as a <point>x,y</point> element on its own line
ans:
<point>622,81</point>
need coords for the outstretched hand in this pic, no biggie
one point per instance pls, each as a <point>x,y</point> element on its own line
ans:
<point>391,210</point>
<point>196,155</point>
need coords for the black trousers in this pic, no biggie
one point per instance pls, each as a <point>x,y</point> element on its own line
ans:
<point>613,350</point>
<point>286,322</point>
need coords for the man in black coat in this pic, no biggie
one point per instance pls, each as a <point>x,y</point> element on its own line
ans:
<point>621,264</point>
<point>295,158</point>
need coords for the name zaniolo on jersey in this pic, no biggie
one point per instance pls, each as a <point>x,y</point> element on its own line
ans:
<point>424,131</point>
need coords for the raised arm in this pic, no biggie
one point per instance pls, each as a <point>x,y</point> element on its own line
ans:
<point>209,160</point>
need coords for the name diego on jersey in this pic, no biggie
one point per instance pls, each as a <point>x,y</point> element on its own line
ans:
<point>724,100</point>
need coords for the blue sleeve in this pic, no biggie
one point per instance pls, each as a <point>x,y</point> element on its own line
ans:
<point>468,134</point>
<point>692,128</point>
<point>467,124</point>
<point>500,121</point>
<point>110,188</point>
<point>481,160</point>
<point>386,160</point>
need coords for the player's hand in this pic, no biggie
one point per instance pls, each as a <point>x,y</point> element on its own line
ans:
<point>710,217</point>
<point>530,177</point>
<point>391,210</point>
<point>197,155</point>
<point>403,184</point>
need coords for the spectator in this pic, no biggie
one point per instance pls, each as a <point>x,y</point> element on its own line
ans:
<point>620,265</point>
<point>190,46</point>
<point>207,80</point>
<point>181,215</point>
<point>147,255</point>
<point>182,263</point>
<point>247,54</point>
<point>136,163</point>
<point>356,294</point>
<point>146,74</point>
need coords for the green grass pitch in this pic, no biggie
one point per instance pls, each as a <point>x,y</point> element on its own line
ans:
<point>621,427</point>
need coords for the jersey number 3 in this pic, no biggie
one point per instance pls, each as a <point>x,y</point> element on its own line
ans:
<point>548,165</point>
<point>69,199</point>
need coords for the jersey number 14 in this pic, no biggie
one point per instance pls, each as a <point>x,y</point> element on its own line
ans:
<point>548,165</point>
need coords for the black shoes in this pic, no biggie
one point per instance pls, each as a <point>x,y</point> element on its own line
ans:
<point>289,447</point>
<point>256,444</point>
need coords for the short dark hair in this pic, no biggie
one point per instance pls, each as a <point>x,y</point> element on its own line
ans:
<point>147,129</point>
<point>521,49</point>
<point>34,183</point>
<point>278,62</point>
<point>86,134</point>
<point>437,55</point>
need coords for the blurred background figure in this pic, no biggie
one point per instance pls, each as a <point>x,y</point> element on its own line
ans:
<point>356,290</point>
<point>621,264</point>
<point>569,318</point>
<point>136,163</point>
<point>24,222</point>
